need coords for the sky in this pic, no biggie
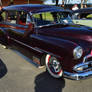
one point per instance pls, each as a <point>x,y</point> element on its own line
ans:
<point>71,2</point>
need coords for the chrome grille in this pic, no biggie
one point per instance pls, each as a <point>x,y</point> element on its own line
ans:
<point>86,66</point>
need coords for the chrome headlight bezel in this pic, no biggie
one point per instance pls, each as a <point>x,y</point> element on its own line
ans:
<point>77,52</point>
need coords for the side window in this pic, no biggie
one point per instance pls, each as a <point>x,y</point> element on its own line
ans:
<point>12,17</point>
<point>76,16</point>
<point>48,16</point>
<point>22,18</point>
<point>43,18</point>
<point>28,19</point>
<point>3,16</point>
<point>37,19</point>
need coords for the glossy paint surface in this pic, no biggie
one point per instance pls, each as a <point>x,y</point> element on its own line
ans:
<point>58,40</point>
<point>35,8</point>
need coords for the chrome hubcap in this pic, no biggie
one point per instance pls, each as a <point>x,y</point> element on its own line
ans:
<point>56,66</point>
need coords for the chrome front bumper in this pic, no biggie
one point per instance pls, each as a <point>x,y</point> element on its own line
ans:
<point>83,74</point>
<point>78,76</point>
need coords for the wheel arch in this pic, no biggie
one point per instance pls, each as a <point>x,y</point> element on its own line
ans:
<point>43,57</point>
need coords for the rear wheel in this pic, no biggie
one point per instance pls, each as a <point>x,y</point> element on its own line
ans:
<point>53,66</point>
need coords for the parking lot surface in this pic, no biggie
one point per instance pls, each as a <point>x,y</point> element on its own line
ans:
<point>18,75</point>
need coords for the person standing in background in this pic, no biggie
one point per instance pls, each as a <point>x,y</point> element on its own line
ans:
<point>75,7</point>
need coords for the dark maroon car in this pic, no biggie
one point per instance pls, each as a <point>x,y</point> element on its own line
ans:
<point>64,48</point>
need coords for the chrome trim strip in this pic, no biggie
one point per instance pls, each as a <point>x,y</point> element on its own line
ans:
<point>80,75</point>
<point>26,45</point>
<point>35,48</point>
<point>77,76</point>
<point>81,65</point>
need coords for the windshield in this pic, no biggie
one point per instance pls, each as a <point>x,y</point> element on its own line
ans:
<point>48,18</point>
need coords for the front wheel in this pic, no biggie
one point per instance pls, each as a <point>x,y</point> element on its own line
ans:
<point>53,66</point>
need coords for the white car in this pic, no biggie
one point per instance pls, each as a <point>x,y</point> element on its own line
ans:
<point>83,16</point>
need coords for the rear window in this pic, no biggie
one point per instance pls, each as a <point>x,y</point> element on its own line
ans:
<point>12,17</point>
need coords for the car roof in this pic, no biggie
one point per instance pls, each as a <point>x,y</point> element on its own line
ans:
<point>35,8</point>
<point>83,10</point>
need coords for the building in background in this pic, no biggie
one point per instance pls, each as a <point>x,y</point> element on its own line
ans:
<point>7,2</point>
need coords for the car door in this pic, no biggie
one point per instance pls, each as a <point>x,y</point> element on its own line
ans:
<point>82,18</point>
<point>18,27</point>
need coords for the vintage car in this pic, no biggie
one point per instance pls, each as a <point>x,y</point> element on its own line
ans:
<point>63,47</point>
<point>83,16</point>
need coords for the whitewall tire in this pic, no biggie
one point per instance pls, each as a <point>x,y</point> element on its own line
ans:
<point>53,66</point>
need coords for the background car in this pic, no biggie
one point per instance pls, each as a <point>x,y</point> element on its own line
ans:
<point>83,16</point>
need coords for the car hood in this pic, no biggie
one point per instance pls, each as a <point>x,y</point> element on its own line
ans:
<point>73,31</point>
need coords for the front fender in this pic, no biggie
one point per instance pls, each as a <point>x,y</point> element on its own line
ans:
<point>57,46</point>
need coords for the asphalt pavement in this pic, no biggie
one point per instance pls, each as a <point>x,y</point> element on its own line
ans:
<point>18,75</point>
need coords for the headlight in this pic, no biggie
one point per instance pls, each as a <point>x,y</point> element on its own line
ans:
<point>77,52</point>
